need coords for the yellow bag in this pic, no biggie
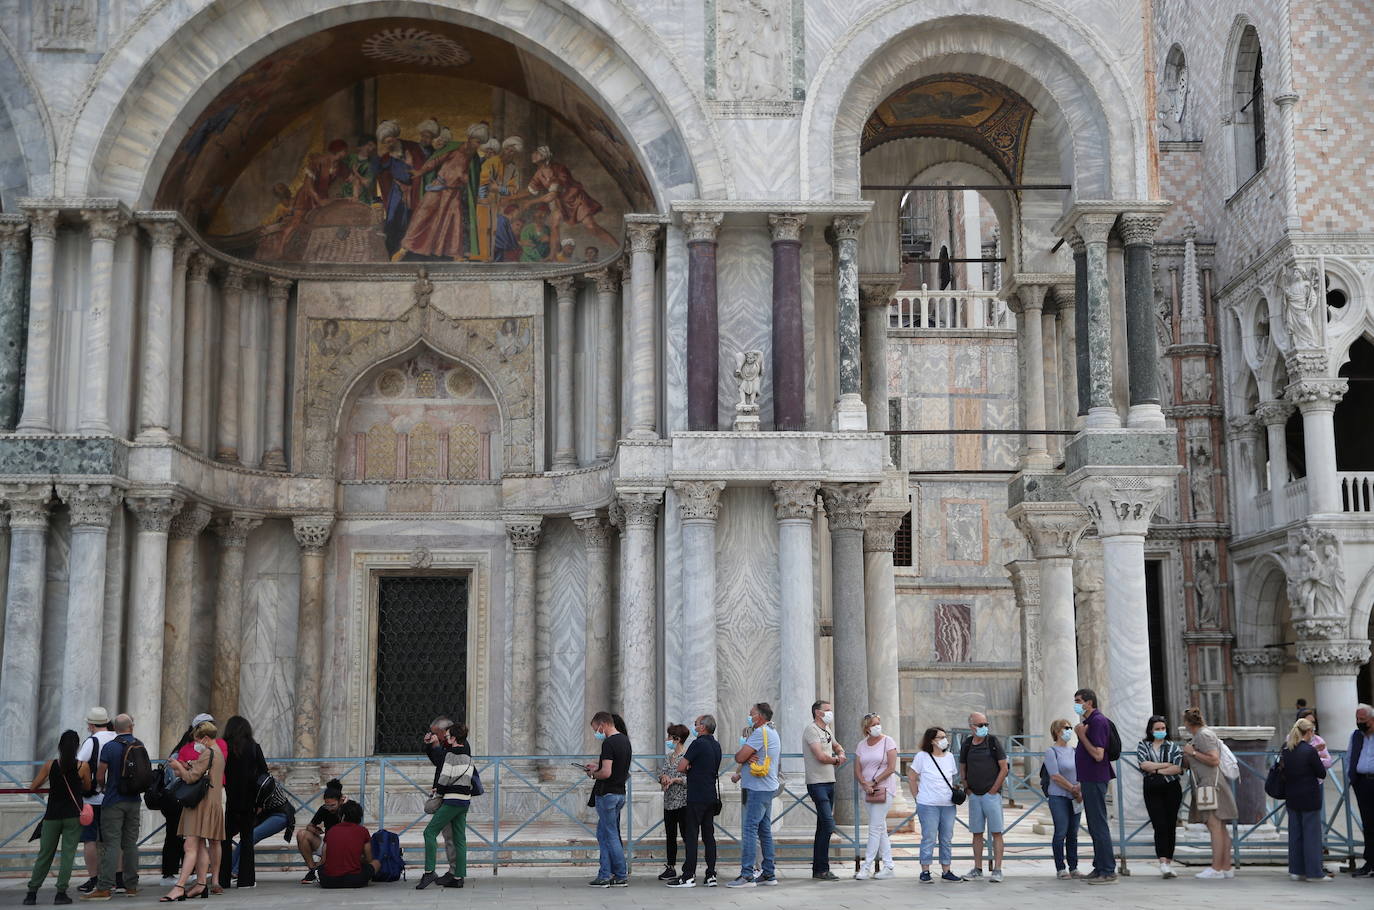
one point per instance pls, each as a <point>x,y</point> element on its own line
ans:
<point>762,769</point>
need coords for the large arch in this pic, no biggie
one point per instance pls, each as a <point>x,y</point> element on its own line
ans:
<point>1031,46</point>
<point>26,137</point>
<point>149,89</point>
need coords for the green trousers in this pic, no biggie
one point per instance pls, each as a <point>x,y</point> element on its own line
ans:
<point>455,818</point>
<point>68,830</point>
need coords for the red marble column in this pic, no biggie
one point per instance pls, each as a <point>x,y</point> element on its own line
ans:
<point>789,346</point>
<point>703,323</point>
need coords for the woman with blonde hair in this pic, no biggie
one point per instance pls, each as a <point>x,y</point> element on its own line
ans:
<point>1065,799</point>
<point>1204,764</point>
<point>875,768</point>
<point>1302,773</point>
<point>203,824</point>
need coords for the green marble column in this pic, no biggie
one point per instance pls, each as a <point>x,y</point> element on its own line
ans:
<point>11,318</point>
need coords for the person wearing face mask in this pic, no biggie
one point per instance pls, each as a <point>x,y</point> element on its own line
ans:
<point>610,770</point>
<point>758,757</point>
<point>1303,773</point>
<point>983,767</point>
<point>700,764</point>
<point>1095,774</point>
<point>1359,776</point>
<point>674,784</point>
<point>1065,799</point>
<point>823,754</point>
<point>1161,764</point>
<point>931,776</point>
<point>875,768</point>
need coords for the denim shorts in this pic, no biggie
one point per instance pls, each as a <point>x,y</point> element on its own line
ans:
<point>985,813</point>
<point>91,833</point>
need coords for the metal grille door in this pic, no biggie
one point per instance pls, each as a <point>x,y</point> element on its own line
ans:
<point>422,655</point>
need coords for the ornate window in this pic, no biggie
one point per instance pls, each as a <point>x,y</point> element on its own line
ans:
<point>1247,108</point>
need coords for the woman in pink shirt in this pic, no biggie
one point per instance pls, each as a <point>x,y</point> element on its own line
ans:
<point>1316,742</point>
<point>875,768</point>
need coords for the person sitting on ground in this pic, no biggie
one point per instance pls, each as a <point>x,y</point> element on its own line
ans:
<point>348,861</point>
<point>310,839</point>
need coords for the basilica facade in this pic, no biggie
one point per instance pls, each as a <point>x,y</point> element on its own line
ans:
<point>367,361</point>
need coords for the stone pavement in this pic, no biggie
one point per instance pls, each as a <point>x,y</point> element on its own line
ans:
<point>1028,884</point>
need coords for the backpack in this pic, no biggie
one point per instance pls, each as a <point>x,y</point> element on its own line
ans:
<point>386,848</point>
<point>92,762</point>
<point>1113,741</point>
<point>136,772</point>
<point>158,796</point>
<point>1230,768</point>
<point>456,773</point>
<point>762,769</point>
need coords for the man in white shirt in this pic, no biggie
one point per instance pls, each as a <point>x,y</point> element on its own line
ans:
<point>100,731</point>
<point>823,754</point>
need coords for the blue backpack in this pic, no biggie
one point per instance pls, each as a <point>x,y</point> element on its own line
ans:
<point>386,847</point>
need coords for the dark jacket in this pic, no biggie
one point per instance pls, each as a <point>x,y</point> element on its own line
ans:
<point>241,773</point>
<point>1352,757</point>
<point>1303,773</point>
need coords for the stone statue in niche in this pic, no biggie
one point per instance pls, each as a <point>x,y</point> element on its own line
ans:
<point>1200,479</point>
<point>1301,294</point>
<point>748,34</point>
<point>1316,576</point>
<point>749,372</point>
<point>1205,587</point>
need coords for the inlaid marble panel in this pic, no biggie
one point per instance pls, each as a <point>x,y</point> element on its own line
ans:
<point>745,304</point>
<point>271,599</point>
<point>747,605</point>
<point>561,641</point>
<point>51,723</point>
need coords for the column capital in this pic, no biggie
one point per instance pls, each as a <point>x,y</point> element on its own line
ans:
<point>1274,413</point>
<point>876,293</point>
<point>28,504</point>
<point>847,227</point>
<point>234,527</point>
<point>597,532</point>
<point>795,499</point>
<point>1285,99</point>
<point>786,227</point>
<point>1028,298</point>
<point>162,233</point>
<point>199,268</point>
<point>1122,504</point>
<point>639,507</point>
<point>154,511</point>
<point>91,505</point>
<point>42,223</point>
<point>1306,363</point>
<point>1245,426</point>
<point>1334,658</point>
<point>1064,292</point>
<point>642,236</point>
<point>312,532</point>
<point>1094,227</point>
<point>880,529</point>
<point>1025,581</point>
<point>1053,529</point>
<point>1316,394</point>
<point>1075,241</point>
<point>181,255</point>
<point>846,504</point>
<point>12,235</point>
<point>190,521</point>
<point>278,289</point>
<point>524,531</point>
<point>1139,228</point>
<point>701,227</point>
<point>564,287</point>
<point>235,277</point>
<point>1259,661</point>
<point>698,500</point>
<point>103,224</point>
<point>606,280</point>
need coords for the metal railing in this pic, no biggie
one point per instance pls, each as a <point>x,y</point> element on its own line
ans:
<point>948,309</point>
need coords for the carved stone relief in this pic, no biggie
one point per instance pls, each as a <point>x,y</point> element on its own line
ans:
<point>1205,598</point>
<point>66,25</point>
<point>1316,583</point>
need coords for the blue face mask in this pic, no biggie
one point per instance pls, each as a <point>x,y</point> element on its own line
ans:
<point>981,731</point>
<point>749,721</point>
<point>1066,735</point>
<point>669,745</point>
<point>1078,709</point>
<point>599,735</point>
<point>1160,734</point>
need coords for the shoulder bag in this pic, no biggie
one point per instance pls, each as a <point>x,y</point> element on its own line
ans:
<point>1275,782</point>
<point>86,814</point>
<point>188,794</point>
<point>956,794</point>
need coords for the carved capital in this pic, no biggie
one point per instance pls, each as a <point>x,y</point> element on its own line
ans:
<point>642,237</point>
<point>524,531</point>
<point>699,500</point>
<point>1094,227</point>
<point>847,227</point>
<point>1274,413</point>
<point>190,521</point>
<point>1139,228</point>
<point>28,504</point>
<point>235,278</point>
<point>1306,364</point>
<point>312,532</point>
<point>880,530</point>
<point>606,280</point>
<point>1286,99</point>
<point>1025,583</point>
<point>1075,241</point>
<point>564,288</point>
<point>1246,426</point>
<point>181,256</point>
<point>1334,658</point>
<point>701,227</point>
<point>1029,298</point>
<point>1053,529</point>
<point>786,227</point>
<point>91,505</point>
<point>163,233</point>
<point>103,224</point>
<point>1316,394</point>
<point>199,268</point>
<point>1064,297</point>
<point>12,236</point>
<point>233,529</point>
<point>597,532</point>
<point>795,499</point>
<point>278,289</point>
<point>640,508</point>
<point>154,513</point>
<point>42,223</point>
<point>1122,504</point>
<point>846,504</point>
<point>876,294</point>
<point>1259,661</point>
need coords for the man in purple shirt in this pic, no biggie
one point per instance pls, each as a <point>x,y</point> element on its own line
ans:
<point>1094,773</point>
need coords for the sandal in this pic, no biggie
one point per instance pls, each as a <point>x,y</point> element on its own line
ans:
<point>194,893</point>
<point>168,899</point>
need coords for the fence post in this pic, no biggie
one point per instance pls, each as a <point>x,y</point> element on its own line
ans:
<point>496,820</point>
<point>1124,869</point>
<point>381,793</point>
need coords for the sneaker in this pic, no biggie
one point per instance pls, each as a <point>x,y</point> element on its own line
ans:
<point>446,880</point>
<point>425,881</point>
<point>87,886</point>
<point>826,876</point>
<point>740,882</point>
<point>99,895</point>
<point>681,882</point>
<point>600,883</point>
<point>973,875</point>
<point>1075,874</point>
<point>766,879</point>
<point>887,872</point>
<point>1210,873</point>
<point>1294,878</point>
<point>309,877</point>
<point>668,874</point>
<point>1231,873</point>
<point>949,877</point>
<point>30,899</point>
<point>61,898</point>
<point>1063,875</point>
<point>926,878</point>
<point>620,883</point>
<point>862,875</point>
<point>1364,871</point>
<point>995,876</point>
<point>1324,878</point>
<point>710,880</point>
<point>1167,871</point>
<point>1095,879</point>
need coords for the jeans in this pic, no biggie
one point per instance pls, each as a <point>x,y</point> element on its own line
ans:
<point>1162,805</point>
<point>757,831</point>
<point>240,860</point>
<point>1305,843</point>
<point>119,824</point>
<point>272,824</point>
<point>936,821</point>
<point>1099,828</point>
<point>879,842</point>
<point>672,823</point>
<point>608,806</point>
<point>68,830</point>
<point>823,795</point>
<point>697,819</point>
<point>452,818</point>
<point>1065,815</point>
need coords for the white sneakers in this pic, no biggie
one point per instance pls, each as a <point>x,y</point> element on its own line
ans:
<point>1209,872</point>
<point>888,872</point>
<point>1167,871</point>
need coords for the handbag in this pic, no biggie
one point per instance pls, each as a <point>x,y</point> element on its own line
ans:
<point>876,795</point>
<point>188,794</point>
<point>956,794</point>
<point>1205,798</point>
<point>718,806</point>
<point>433,804</point>
<point>1276,782</point>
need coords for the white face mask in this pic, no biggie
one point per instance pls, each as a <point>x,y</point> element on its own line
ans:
<point>942,743</point>
<point>828,718</point>
<point>875,730</point>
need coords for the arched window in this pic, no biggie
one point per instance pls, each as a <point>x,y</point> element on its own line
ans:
<point>1247,115</point>
<point>1174,112</point>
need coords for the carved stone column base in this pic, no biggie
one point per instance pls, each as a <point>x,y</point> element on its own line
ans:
<point>851,414</point>
<point>274,460</point>
<point>1145,417</point>
<point>746,418</point>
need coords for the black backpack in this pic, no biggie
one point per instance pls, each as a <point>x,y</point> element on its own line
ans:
<point>1113,742</point>
<point>92,762</point>
<point>136,772</point>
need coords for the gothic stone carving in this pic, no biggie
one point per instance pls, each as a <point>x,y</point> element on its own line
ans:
<point>1259,661</point>
<point>1334,658</point>
<point>748,36</point>
<point>699,500</point>
<point>749,372</point>
<point>1316,582</point>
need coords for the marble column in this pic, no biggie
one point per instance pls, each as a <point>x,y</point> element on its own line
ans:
<point>1335,667</point>
<point>37,412</point>
<point>627,343</point>
<point>1090,609</point>
<point>643,353</point>
<point>103,226</point>
<point>4,567</point>
<point>596,540</point>
<point>1243,434</point>
<point>1102,413</point>
<point>606,330</point>
<point>699,505</point>
<point>875,304</point>
<point>524,532</point>
<point>181,258</point>
<point>845,508</point>
<point>1031,300</point>
<point>1274,415</point>
<point>312,535</point>
<point>147,615</point>
<point>195,361</point>
<point>274,448</point>
<point>1065,301</point>
<point>230,360</point>
<point>703,324</point>
<point>1317,399</point>
<point>11,319</point>
<point>90,507</point>
<point>179,617</point>
<point>20,664</point>
<point>1257,672</point>
<point>1025,583</point>
<point>789,341</point>
<point>1138,233</point>
<point>637,638</point>
<point>794,504</point>
<point>1081,354</point>
<point>880,619</point>
<point>850,412</point>
<point>155,393</point>
<point>564,446</point>
<point>233,531</point>
<point>1050,365</point>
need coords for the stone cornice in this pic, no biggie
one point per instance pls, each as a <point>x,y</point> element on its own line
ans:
<point>1106,207</point>
<point>1184,411</point>
<point>766,206</point>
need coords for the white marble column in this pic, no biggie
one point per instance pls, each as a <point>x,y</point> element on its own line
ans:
<point>274,454</point>
<point>90,507</point>
<point>596,540</point>
<point>638,632</point>
<point>147,614</point>
<point>179,617</point>
<point>643,353</point>
<point>699,505</point>
<point>155,394</point>
<point>1274,415</point>
<point>312,534</point>
<point>181,259</point>
<point>627,367</point>
<point>233,531</point>
<point>251,367</point>
<point>4,567</point>
<point>195,361</point>
<point>850,411</point>
<point>1025,583</point>
<point>1335,667</point>
<point>794,504</point>
<point>565,445</point>
<point>1030,301</point>
<point>37,412</point>
<point>230,361</point>
<point>1068,355</point>
<point>607,284</point>
<point>20,665</point>
<point>880,619</point>
<point>1317,399</point>
<point>1050,365</point>
<point>1242,435</point>
<point>1102,414</point>
<point>524,532</point>
<point>103,226</point>
<point>846,505</point>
